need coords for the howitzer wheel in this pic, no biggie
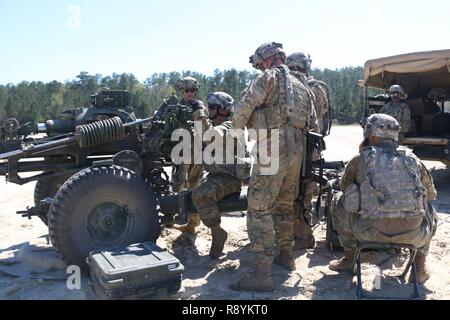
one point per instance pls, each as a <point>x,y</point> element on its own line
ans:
<point>47,188</point>
<point>102,207</point>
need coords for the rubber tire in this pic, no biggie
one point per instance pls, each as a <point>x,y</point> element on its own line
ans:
<point>68,214</point>
<point>46,188</point>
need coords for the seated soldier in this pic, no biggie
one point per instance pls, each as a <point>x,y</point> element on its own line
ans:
<point>223,179</point>
<point>386,199</point>
<point>398,109</point>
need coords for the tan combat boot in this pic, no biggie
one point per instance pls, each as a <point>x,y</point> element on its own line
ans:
<point>219,237</point>
<point>301,244</point>
<point>259,280</point>
<point>285,260</point>
<point>422,272</point>
<point>345,263</point>
<point>193,222</point>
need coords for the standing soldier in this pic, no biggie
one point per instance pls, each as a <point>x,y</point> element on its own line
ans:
<point>386,197</point>
<point>223,178</point>
<point>275,101</point>
<point>188,176</point>
<point>399,110</point>
<point>300,66</point>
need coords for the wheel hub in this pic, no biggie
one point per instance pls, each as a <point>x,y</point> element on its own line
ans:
<point>107,222</point>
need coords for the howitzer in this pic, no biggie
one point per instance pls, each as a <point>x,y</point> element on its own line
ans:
<point>63,156</point>
<point>56,155</point>
<point>105,104</point>
<point>170,116</point>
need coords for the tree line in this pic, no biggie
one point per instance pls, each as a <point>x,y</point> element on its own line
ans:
<point>27,101</point>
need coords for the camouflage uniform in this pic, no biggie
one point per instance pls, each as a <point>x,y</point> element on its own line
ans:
<point>222,180</point>
<point>386,197</point>
<point>321,103</point>
<point>188,176</point>
<point>402,113</point>
<point>319,92</point>
<point>350,226</point>
<point>399,110</point>
<point>265,105</point>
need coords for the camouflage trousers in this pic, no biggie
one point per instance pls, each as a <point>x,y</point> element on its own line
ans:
<point>186,176</point>
<point>270,217</point>
<point>302,230</point>
<point>352,228</point>
<point>213,189</point>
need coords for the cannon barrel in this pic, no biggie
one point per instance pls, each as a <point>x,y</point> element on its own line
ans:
<point>85,136</point>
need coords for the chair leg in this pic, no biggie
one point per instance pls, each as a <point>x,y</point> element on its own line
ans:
<point>412,257</point>
<point>358,274</point>
<point>415,280</point>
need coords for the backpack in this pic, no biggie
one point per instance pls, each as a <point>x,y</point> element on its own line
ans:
<point>391,186</point>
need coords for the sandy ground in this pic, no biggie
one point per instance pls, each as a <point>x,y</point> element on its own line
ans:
<point>207,279</point>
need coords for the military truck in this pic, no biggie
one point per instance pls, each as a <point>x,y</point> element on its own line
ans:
<point>425,76</point>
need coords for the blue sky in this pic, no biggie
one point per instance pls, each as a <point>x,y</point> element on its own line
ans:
<point>55,40</point>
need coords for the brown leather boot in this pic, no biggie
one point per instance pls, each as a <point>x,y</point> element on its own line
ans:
<point>345,263</point>
<point>422,272</point>
<point>219,237</point>
<point>193,222</point>
<point>259,280</point>
<point>285,260</point>
<point>301,244</point>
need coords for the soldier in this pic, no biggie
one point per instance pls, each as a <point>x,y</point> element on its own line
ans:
<point>386,197</point>
<point>300,66</point>
<point>188,176</point>
<point>222,180</point>
<point>275,100</point>
<point>399,110</point>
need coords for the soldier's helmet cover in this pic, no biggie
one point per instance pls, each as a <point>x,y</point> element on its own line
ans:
<point>222,99</point>
<point>188,83</point>
<point>265,51</point>
<point>299,60</point>
<point>382,126</point>
<point>396,89</point>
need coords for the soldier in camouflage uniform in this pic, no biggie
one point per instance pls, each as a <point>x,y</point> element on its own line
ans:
<point>300,66</point>
<point>188,176</point>
<point>223,179</point>
<point>275,100</point>
<point>386,199</point>
<point>399,110</point>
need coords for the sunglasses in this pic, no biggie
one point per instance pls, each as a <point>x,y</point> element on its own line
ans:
<point>189,90</point>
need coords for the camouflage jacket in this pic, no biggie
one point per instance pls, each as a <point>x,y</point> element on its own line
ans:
<point>234,169</point>
<point>352,174</point>
<point>267,104</point>
<point>321,103</point>
<point>401,112</point>
<point>320,94</point>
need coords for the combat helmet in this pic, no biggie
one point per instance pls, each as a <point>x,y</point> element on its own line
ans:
<point>397,89</point>
<point>382,126</point>
<point>299,60</point>
<point>221,99</point>
<point>265,51</point>
<point>188,83</point>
